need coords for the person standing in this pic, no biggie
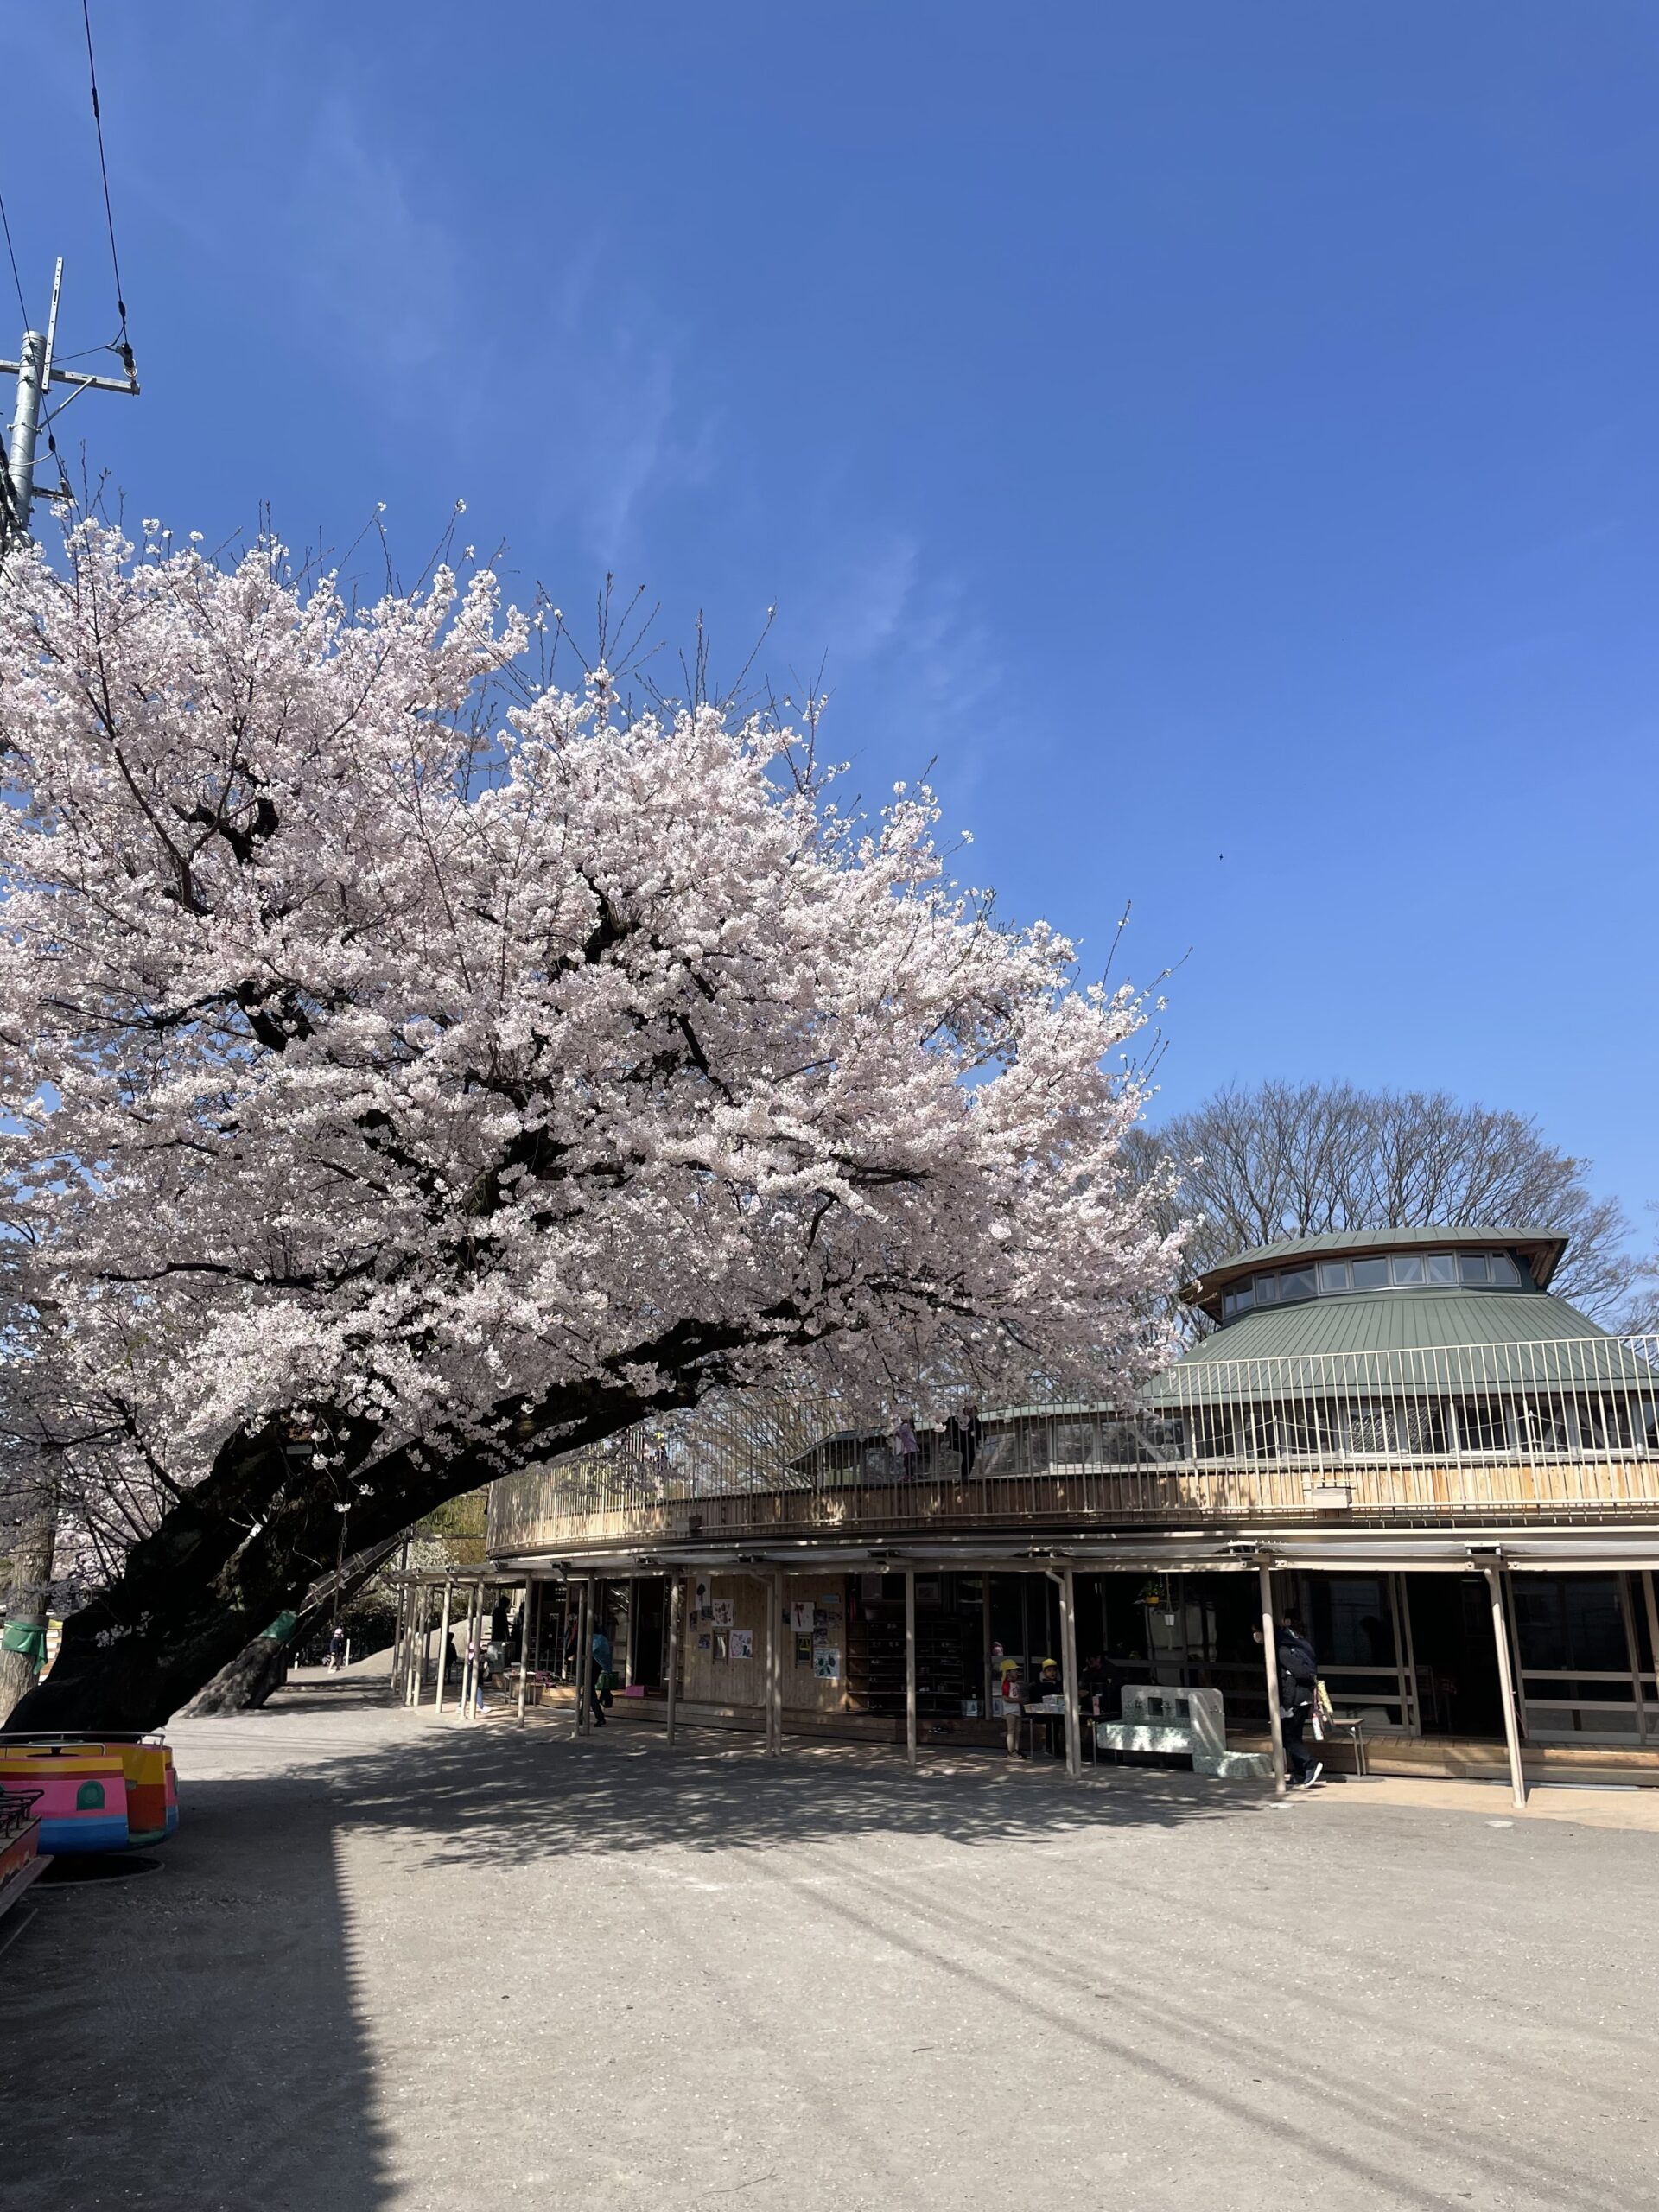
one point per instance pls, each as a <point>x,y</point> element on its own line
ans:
<point>1299,1685</point>
<point>972,1430</point>
<point>473,1680</point>
<point>600,1667</point>
<point>337,1649</point>
<point>1005,1693</point>
<point>906,1448</point>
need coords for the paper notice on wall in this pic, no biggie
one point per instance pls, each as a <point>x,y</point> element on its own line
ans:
<point>826,1664</point>
<point>800,1617</point>
<point>706,1640</point>
<point>742,1643</point>
<point>723,1612</point>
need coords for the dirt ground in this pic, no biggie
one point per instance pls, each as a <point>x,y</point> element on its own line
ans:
<point>393,1961</point>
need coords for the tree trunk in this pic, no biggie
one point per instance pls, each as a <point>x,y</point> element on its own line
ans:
<point>26,1599</point>
<point>243,1686</point>
<point>259,1667</point>
<point>250,1539</point>
<point>246,1544</point>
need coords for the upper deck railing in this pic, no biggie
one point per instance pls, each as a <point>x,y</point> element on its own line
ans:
<point>1559,1430</point>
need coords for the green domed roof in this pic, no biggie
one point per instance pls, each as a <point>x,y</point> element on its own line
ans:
<point>1413,1337</point>
<point>1399,1320</point>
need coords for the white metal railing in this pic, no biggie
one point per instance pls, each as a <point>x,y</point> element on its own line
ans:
<point>1538,1427</point>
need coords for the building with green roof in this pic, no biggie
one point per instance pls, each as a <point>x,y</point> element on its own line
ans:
<point>1403,1434</point>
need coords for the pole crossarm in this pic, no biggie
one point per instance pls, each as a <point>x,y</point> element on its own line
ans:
<point>37,372</point>
<point>129,385</point>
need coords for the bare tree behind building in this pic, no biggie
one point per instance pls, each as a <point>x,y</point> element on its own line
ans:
<point>1290,1159</point>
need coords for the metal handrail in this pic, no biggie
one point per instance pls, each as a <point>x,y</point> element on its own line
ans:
<point>1563,1423</point>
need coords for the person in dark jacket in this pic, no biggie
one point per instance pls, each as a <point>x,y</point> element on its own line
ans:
<point>1299,1685</point>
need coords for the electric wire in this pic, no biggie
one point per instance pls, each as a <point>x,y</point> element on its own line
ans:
<point>12,257</point>
<point>120,344</point>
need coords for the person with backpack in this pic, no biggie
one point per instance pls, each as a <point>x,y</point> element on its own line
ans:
<point>1299,1686</point>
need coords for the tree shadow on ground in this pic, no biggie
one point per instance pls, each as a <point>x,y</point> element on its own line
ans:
<point>198,2041</point>
<point>491,1793</point>
<point>191,2040</point>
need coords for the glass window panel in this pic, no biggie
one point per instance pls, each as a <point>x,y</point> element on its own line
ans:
<point>1371,1275</point>
<point>1267,1289</point>
<point>1474,1266</point>
<point>1482,1424</point>
<point>1406,1268</point>
<point>1352,1620</point>
<point>1369,1428</point>
<point>1333,1275</point>
<point>1442,1267</point>
<point>1539,1628</point>
<point>1241,1297</point>
<point>1505,1269</point>
<point>1567,1621</point>
<point>1296,1282</point>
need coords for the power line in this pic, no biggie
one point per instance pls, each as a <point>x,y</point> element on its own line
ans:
<point>12,258</point>
<point>120,344</point>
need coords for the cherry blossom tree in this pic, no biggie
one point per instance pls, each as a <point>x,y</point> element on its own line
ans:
<point>413,1069</point>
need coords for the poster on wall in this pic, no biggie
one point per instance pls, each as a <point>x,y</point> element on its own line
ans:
<point>742,1643</point>
<point>803,1652</point>
<point>800,1617</point>
<point>705,1639</point>
<point>826,1664</point>
<point>703,1608</point>
<point>722,1638</point>
<point>722,1615</point>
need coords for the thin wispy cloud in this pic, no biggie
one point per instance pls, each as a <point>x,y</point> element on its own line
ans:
<point>903,639</point>
<point>606,414</point>
<point>381,267</point>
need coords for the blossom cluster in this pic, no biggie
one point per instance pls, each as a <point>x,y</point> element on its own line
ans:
<point>388,1049</point>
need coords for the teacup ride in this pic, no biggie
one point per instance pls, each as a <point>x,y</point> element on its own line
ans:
<point>21,1858</point>
<point>79,1792</point>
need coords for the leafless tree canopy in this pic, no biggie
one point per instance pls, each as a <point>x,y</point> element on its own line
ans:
<point>1290,1159</point>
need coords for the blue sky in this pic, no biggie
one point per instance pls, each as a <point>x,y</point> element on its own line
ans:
<point>1224,438</point>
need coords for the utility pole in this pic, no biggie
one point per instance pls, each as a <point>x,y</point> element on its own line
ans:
<point>35,374</point>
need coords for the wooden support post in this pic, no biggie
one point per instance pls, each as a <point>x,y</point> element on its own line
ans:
<point>1506,1684</point>
<point>445,1650</point>
<point>676,1583</point>
<point>467,1643</point>
<point>1651,1606</point>
<point>1069,1672</point>
<point>524,1653</point>
<point>412,1665</point>
<point>1633,1652</point>
<point>1270,1660</point>
<point>585,1657</point>
<point>991,1686</point>
<point>426,1643</point>
<point>910,1664</point>
<point>775,1677</point>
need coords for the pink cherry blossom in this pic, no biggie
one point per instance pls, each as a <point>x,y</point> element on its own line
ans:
<point>393,1047</point>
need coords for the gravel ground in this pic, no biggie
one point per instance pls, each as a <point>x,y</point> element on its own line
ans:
<point>397,1962</point>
